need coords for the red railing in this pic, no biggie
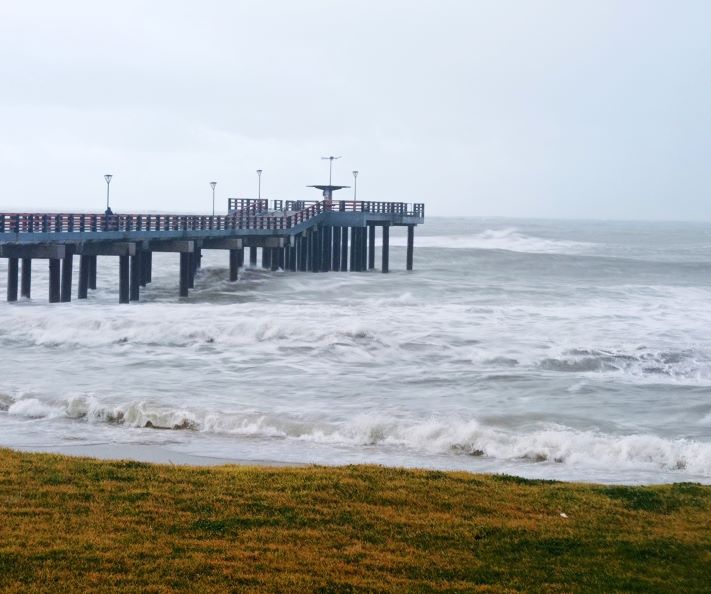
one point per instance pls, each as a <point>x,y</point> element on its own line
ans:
<point>241,218</point>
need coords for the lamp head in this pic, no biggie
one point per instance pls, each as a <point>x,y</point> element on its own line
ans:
<point>108,177</point>
<point>213,184</point>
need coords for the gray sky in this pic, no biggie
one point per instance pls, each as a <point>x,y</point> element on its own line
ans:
<point>563,108</point>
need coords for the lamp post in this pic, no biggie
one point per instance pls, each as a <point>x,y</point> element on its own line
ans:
<point>331,159</point>
<point>259,184</point>
<point>355,184</point>
<point>107,177</point>
<point>212,185</point>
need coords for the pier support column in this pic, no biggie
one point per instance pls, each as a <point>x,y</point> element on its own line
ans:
<point>266,257</point>
<point>303,253</point>
<point>410,245</point>
<point>12,272</point>
<point>149,267</point>
<point>318,250</point>
<point>252,256</point>
<point>234,265</point>
<point>135,281</point>
<point>386,248</point>
<point>92,272</point>
<point>336,247</point>
<point>354,247</point>
<point>67,265</point>
<point>326,248</point>
<point>364,249</point>
<point>274,258</point>
<point>54,282</point>
<point>198,258</point>
<point>124,279</point>
<point>240,258</point>
<point>184,273</point>
<point>191,270</point>
<point>371,247</point>
<point>83,277</point>
<point>26,279</point>
<point>292,255</point>
<point>344,249</point>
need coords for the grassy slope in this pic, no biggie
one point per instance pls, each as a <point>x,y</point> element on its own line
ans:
<point>70,524</point>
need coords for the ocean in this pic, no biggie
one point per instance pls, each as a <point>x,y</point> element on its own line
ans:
<point>572,350</point>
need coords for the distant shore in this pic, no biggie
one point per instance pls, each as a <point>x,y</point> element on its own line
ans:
<point>78,524</point>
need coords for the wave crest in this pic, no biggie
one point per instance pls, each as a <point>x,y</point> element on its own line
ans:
<point>546,444</point>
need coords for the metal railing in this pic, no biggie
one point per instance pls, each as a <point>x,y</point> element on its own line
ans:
<point>248,214</point>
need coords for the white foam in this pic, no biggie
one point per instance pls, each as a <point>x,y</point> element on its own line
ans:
<point>550,444</point>
<point>509,239</point>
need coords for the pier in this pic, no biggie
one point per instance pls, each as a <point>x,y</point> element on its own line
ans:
<point>306,236</point>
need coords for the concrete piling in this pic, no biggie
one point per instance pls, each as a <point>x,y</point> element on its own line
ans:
<point>26,279</point>
<point>67,265</point>
<point>12,276</point>
<point>234,264</point>
<point>371,247</point>
<point>83,277</point>
<point>386,249</point>
<point>184,273</point>
<point>124,279</point>
<point>92,272</point>
<point>135,280</point>
<point>410,245</point>
<point>54,280</point>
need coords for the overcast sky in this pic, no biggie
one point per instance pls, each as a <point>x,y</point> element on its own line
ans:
<point>586,109</point>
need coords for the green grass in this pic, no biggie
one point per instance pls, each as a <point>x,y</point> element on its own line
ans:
<point>79,525</point>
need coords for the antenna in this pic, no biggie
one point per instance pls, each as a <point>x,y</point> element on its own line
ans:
<point>330,159</point>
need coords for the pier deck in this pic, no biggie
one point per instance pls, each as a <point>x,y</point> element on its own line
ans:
<point>311,236</point>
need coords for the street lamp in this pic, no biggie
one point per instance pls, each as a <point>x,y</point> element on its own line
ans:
<point>107,177</point>
<point>212,185</point>
<point>331,159</point>
<point>355,184</point>
<point>259,187</point>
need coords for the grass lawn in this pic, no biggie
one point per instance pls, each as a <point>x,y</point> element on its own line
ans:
<point>80,525</point>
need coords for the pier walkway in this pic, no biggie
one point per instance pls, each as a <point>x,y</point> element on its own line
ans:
<point>316,236</point>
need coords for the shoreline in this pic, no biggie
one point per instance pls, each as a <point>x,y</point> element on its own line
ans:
<point>160,455</point>
<point>151,454</point>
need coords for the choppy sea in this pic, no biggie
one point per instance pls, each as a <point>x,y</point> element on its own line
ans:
<point>553,349</point>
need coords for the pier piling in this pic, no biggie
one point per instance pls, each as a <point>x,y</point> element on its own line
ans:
<point>410,245</point>
<point>92,272</point>
<point>12,275</point>
<point>344,249</point>
<point>386,249</point>
<point>54,275</point>
<point>124,279</point>
<point>234,264</point>
<point>67,266</point>
<point>184,273</point>
<point>26,280</point>
<point>135,280</point>
<point>84,266</point>
<point>371,247</point>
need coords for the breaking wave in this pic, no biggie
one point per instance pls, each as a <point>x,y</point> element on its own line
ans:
<point>509,239</point>
<point>549,443</point>
<point>682,365</point>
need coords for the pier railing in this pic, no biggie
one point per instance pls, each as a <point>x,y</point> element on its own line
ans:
<point>246,214</point>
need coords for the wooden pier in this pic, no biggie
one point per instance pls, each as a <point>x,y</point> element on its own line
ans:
<point>323,236</point>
